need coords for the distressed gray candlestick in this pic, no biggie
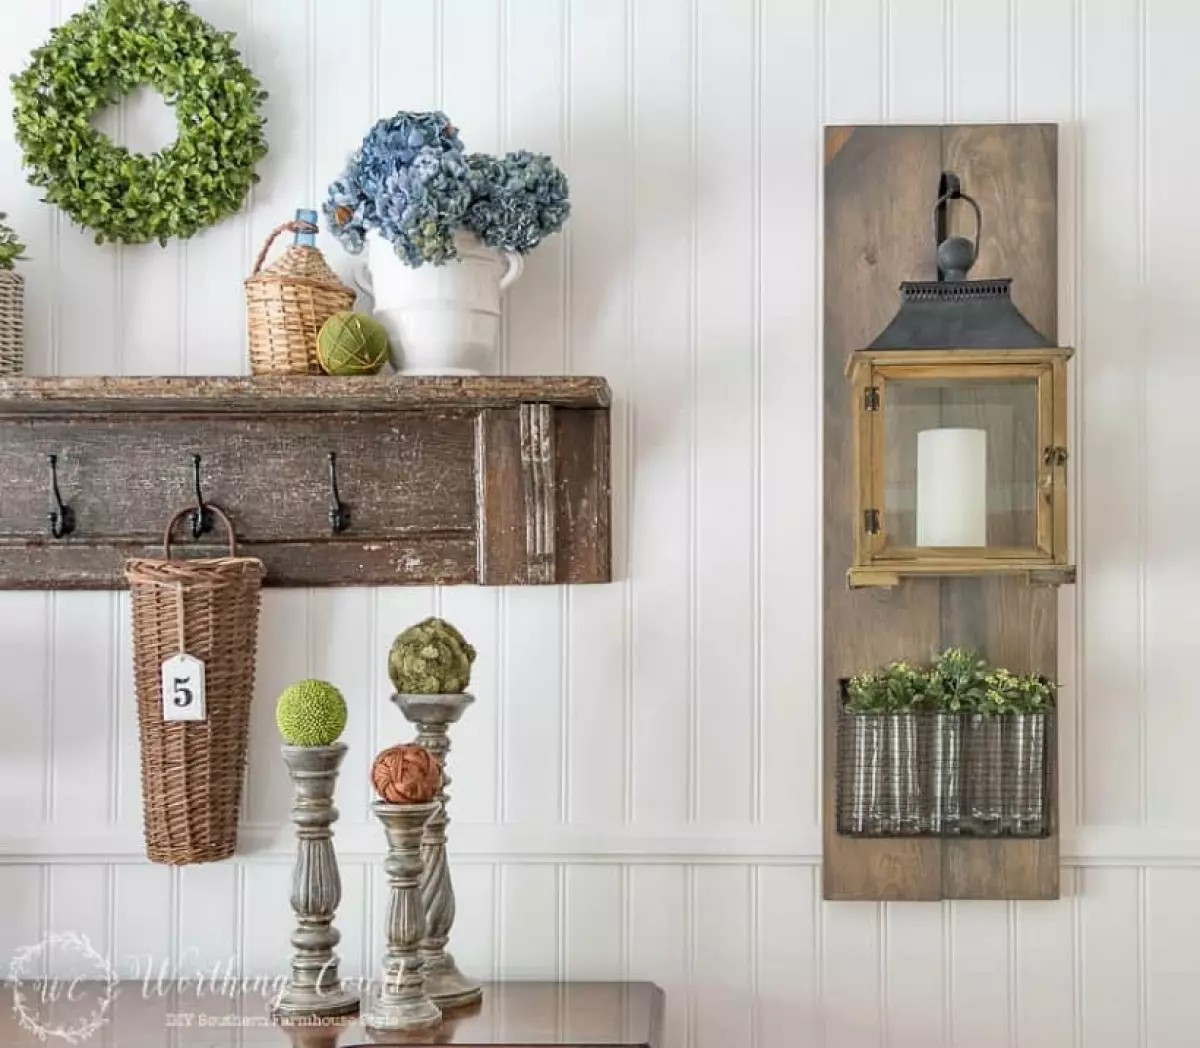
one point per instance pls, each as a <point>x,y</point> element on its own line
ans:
<point>433,715</point>
<point>315,987</point>
<point>402,1003</point>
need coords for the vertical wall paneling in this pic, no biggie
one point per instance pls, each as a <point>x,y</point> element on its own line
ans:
<point>411,31</point>
<point>127,770</point>
<point>208,918</point>
<point>473,939</point>
<point>535,46</point>
<point>789,201</point>
<point>265,911</point>
<point>982,84</point>
<point>914,965</point>
<point>21,917</point>
<point>723,956</point>
<point>593,931</point>
<point>25,647</point>
<point>82,698</point>
<point>599,259</point>
<point>727,352</point>
<point>785,960</point>
<point>473,758</point>
<point>79,905</point>
<point>659,939</point>
<point>661,539</point>
<point>1113,505</point>
<point>282,632</point>
<point>917,62</point>
<point>1109,940</point>
<point>143,904</point>
<point>214,310</point>
<point>981,1010</point>
<point>852,973</point>
<point>1042,957</point>
<point>1170,909</point>
<point>854,42</point>
<point>529,920</point>
<point>1169,309</point>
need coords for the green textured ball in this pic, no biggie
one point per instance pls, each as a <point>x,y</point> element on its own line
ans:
<point>310,713</point>
<point>352,344</point>
<point>431,658</point>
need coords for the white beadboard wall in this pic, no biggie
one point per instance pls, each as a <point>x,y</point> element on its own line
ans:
<point>636,789</point>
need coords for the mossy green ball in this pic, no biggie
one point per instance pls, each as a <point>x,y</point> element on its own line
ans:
<point>310,713</point>
<point>352,344</point>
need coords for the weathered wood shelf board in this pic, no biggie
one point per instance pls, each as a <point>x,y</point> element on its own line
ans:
<point>880,185</point>
<point>492,480</point>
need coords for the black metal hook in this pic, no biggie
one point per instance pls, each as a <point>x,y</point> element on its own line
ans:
<point>200,518</point>
<point>62,517</point>
<point>339,512</point>
<point>955,254</point>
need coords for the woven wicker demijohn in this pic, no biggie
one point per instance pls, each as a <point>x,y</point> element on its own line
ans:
<point>288,301</point>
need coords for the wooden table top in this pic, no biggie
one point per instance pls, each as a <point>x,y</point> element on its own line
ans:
<point>511,1015</point>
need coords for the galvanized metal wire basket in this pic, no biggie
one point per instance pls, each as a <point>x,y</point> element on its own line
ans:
<point>945,774</point>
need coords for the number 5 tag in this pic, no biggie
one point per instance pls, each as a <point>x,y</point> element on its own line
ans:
<point>183,689</point>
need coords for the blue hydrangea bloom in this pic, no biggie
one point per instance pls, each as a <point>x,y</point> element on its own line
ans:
<point>409,182</point>
<point>517,200</point>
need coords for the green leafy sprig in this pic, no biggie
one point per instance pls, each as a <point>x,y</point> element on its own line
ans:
<point>97,57</point>
<point>958,681</point>
<point>11,249</point>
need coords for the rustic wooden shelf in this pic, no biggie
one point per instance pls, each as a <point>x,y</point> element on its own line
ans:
<point>319,394</point>
<point>493,480</point>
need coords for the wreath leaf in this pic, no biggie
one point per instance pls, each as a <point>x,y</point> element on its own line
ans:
<point>96,58</point>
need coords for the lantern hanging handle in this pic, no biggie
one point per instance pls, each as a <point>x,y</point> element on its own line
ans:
<point>955,254</point>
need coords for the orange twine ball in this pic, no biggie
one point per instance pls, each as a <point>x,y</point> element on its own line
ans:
<point>406,774</point>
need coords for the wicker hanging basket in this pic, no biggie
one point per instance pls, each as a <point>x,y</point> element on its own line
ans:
<point>192,771</point>
<point>286,305</point>
<point>12,322</point>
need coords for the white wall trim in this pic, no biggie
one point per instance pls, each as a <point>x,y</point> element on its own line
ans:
<point>581,845</point>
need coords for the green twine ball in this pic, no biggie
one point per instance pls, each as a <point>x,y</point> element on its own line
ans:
<point>310,713</point>
<point>352,344</point>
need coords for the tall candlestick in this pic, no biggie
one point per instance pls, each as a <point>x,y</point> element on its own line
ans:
<point>433,715</point>
<point>315,987</point>
<point>402,1003</point>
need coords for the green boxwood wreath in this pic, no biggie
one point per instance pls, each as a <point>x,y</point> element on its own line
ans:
<point>93,60</point>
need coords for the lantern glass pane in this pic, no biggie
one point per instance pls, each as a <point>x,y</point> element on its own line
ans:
<point>960,463</point>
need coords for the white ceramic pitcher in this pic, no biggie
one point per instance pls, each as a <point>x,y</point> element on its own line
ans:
<point>441,320</point>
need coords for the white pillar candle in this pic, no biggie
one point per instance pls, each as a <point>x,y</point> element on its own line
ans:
<point>952,487</point>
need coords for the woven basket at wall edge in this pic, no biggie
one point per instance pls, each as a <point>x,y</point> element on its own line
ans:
<point>192,771</point>
<point>12,322</point>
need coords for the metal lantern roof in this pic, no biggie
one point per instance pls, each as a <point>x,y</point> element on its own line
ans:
<point>954,312</point>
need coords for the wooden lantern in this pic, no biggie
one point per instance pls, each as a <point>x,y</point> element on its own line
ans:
<point>960,433</point>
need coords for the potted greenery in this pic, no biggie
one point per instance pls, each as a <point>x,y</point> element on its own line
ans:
<point>445,233</point>
<point>1021,704</point>
<point>954,747</point>
<point>883,794</point>
<point>12,302</point>
<point>956,684</point>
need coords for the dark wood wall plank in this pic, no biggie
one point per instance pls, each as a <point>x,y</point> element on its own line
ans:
<point>1012,172</point>
<point>880,185</point>
<point>871,244</point>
